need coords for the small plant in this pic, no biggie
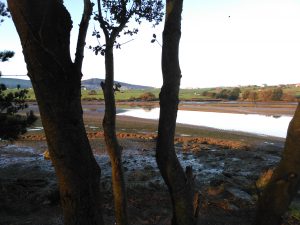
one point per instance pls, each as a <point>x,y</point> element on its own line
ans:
<point>295,212</point>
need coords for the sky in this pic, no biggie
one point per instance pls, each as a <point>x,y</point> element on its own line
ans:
<point>223,43</point>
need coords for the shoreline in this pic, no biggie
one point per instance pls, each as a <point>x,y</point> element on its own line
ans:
<point>261,108</point>
<point>93,113</point>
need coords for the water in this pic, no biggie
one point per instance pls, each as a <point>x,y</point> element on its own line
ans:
<point>252,123</point>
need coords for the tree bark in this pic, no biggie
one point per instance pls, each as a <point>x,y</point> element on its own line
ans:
<point>285,181</point>
<point>113,148</point>
<point>180,183</point>
<point>44,29</point>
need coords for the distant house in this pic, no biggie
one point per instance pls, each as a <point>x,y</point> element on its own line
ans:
<point>297,85</point>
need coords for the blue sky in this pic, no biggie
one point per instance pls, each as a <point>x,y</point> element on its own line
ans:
<point>224,43</point>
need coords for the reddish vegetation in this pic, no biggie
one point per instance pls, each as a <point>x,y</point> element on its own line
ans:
<point>189,143</point>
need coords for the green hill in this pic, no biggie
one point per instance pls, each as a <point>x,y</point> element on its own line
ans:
<point>90,84</point>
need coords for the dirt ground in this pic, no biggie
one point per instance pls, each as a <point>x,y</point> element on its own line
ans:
<point>227,166</point>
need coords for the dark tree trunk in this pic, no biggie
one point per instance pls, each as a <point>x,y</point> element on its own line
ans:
<point>44,29</point>
<point>285,180</point>
<point>180,183</point>
<point>113,148</point>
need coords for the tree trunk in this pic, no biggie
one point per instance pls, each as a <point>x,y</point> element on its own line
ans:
<point>285,180</point>
<point>180,183</point>
<point>113,148</point>
<point>44,29</point>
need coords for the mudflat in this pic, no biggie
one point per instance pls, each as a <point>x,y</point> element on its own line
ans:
<point>230,168</point>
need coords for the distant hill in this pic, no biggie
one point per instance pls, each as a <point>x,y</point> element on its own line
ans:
<point>94,84</point>
<point>13,82</point>
<point>90,84</point>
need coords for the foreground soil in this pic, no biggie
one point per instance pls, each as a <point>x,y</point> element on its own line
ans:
<point>226,174</point>
<point>230,170</point>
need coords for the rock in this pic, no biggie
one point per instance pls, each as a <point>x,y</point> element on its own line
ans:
<point>46,155</point>
<point>213,191</point>
<point>239,194</point>
<point>264,178</point>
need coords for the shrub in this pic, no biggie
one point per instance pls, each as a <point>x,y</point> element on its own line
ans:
<point>246,94</point>
<point>224,93</point>
<point>147,96</point>
<point>234,94</point>
<point>253,96</point>
<point>92,92</point>
<point>266,95</point>
<point>277,94</point>
<point>12,124</point>
<point>229,94</point>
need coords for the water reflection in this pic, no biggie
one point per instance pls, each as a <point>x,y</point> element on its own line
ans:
<point>252,123</point>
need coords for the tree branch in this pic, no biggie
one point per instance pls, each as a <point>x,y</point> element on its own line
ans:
<point>102,22</point>
<point>118,29</point>
<point>83,27</point>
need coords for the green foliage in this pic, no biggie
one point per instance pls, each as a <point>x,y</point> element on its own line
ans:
<point>12,102</point>
<point>6,55</point>
<point>3,12</point>
<point>295,212</point>
<point>277,94</point>
<point>228,94</point>
<point>114,15</point>
<point>223,94</point>
<point>12,124</point>
<point>199,94</point>
<point>234,94</point>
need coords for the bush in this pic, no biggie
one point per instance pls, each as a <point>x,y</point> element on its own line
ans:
<point>229,94</point>
<point>92,92</point>
<point>234,94</point>
<point>266,95</point>
<point>223,94</point>
<point>147,96</point>
<point>277,94</point>
<point>246,94</point>
<point>289,98</point>
<point>253,96</point>
<point>12,124</point>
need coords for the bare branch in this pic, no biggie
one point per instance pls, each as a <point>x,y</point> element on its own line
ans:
<point>83,27</point>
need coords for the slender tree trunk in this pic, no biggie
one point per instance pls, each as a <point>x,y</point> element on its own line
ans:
<point>44,29</point>
<point>112,145</point>
<point>180,183</point>
<point>285,180</point>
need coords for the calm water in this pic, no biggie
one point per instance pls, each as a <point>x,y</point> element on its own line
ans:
<point>258,124</point>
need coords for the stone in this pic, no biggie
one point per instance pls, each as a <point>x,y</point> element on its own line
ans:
<point>46,155</point>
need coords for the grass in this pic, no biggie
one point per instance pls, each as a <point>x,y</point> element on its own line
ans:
<point>295,212</point>
<point>120,95</point>
<point>184,94</point>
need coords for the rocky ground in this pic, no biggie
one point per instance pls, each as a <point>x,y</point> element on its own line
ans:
<point>226,174</point>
